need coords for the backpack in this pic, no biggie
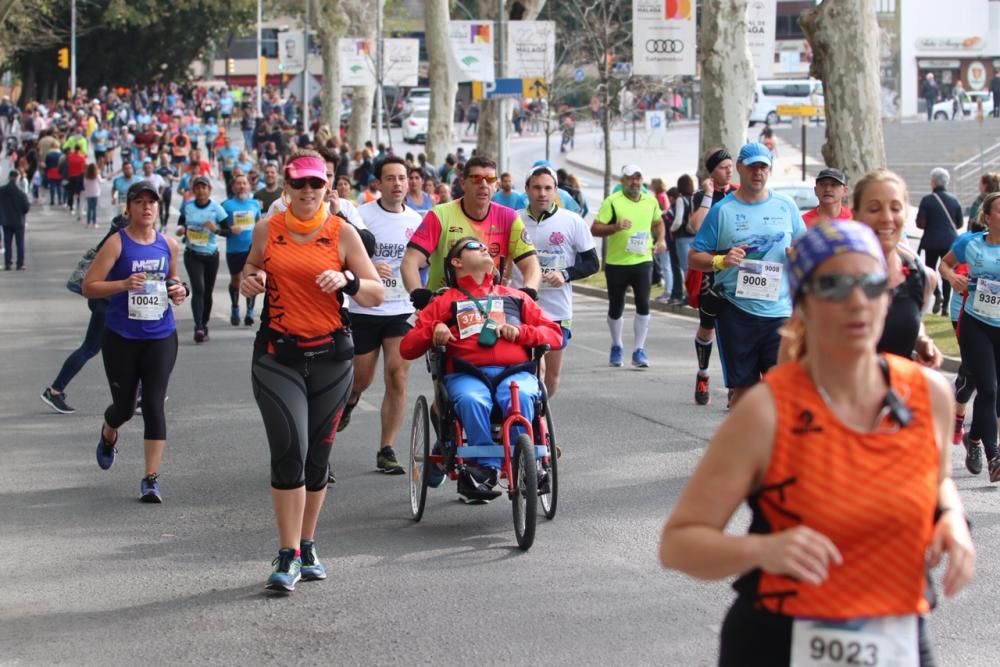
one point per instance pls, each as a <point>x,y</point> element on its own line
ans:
<point>75,282</point>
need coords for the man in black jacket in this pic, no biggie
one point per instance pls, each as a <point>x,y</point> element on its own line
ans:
<point>14,206</point>
<point>995,92</point>
<point>929,92</point>
<point>940,216</point>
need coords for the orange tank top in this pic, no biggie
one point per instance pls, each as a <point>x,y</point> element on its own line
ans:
<point>872,494</point>
<point>295,303</point>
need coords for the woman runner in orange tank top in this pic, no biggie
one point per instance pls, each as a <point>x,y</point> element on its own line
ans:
<point>834,567</point>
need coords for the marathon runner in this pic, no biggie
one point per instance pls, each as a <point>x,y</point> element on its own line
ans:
<point>630,219</point>
<point>169,174</point>
<point>271,192</point>
<point>198,224</point>
<point>831,189</point>
<point>121,183</point>
<point>382,327</point>
<point>243,213</point>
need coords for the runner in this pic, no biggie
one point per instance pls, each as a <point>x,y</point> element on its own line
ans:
<point>566,252</point>
<point>744,240</point>
<point>499,227</point>
<point>507,195</point>
<point>842,535</point>
<point>630,219</point>
<point>227,157</point>
<point>136,270</point>
<point>121,184</point>
<point>831,189</point>
<point>198,225</point>
<point>169,175</point>
<point>382,327</point>
<point>271,192</point>
<point>243,213</point>
<point>302,362</point>
<point>719,165</point>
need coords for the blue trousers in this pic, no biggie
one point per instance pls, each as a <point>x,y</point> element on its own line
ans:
<point>473,403</point>
<point>90,346</point>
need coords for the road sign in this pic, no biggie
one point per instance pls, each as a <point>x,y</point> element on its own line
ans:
<point>535,87</point>
<point>802,110</point>
<point>578,75</point>
<point>504,89</point>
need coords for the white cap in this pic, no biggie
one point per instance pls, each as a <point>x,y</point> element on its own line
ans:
<point>631,170</point>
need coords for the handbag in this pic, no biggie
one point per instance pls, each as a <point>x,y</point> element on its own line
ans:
<point>75,282</point>
<point>947,212</point>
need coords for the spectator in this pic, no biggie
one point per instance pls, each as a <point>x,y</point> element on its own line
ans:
<point>472,115</point>
<point>940,216</point>
<point>929,92</point>
<point>14,206</point>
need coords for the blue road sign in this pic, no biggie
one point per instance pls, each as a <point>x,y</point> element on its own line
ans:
<point>578,75</point>
<point>505,88</point>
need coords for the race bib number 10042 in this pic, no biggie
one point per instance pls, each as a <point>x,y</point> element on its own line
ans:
<point>887,641</point>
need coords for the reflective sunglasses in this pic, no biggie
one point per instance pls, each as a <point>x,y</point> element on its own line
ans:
<point>479,179</point>
<point>472,245</point>
<point>314,182</point>
<point>838,287</point>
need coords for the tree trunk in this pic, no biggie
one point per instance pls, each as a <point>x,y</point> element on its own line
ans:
<point>844,40</point>
<point>606,130</point>
<point>728,77</point>
<point>330,28</point>
<point>361,15</point>
<point>442,113</point>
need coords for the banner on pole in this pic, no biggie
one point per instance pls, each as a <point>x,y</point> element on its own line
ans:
<point>400,62</point>
<point>762,15</point>
<point>357,62</point>
<point>656,121</point>
<point>470,51</point>
<point>531,49</point>
<point>292,51</point>
<point>663,37</point>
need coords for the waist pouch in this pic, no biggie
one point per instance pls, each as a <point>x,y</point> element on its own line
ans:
<point>290,349</point>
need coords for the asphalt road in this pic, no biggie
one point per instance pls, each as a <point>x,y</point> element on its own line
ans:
<point>95,577</point>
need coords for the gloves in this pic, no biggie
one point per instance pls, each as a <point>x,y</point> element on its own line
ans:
<point>533,293</point>
<point>420,297</point>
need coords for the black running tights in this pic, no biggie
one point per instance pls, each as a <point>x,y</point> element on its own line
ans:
<point>127,362</point>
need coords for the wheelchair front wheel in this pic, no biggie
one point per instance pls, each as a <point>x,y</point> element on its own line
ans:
<point>524,492</point>
<point>420,451</point>
<point>550,500</point>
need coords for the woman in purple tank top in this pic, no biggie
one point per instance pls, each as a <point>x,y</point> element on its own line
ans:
<point>136,271</point>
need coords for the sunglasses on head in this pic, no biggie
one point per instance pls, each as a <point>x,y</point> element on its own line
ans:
<point>479,179</point>
<point>314,182</point>
<point>838,286</point>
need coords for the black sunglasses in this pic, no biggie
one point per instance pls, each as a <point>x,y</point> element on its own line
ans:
<point>314,182</point>
<point>838,286</point>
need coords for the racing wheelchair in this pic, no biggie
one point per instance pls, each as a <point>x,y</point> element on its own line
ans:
<point>529,468</point>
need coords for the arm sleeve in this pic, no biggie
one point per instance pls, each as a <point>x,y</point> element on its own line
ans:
<point>678,214</point>
<point>707,239</point>
<point>426,238</point>
<point>226,226</point>
<point>220,214</point>
<point>182,219</point>
<point>586,264</point>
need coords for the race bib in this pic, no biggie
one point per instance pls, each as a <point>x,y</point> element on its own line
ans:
<point>394,290</point>
<point>551,261</point>
<point>638,243</point>
<point>149,303</point>
<point>243,221</point>
<point>759,280</point>
<point>198,237</point>
<point>987,302</point>
<point>470,320</point>
<point>886,641</point>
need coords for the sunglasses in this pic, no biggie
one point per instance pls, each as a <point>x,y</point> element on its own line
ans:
<point>314,182</point>
<point>472,245</point>
<point>838,287</point>
<point>479,179</point>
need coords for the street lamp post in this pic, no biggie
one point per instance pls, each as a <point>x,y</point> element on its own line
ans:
<point>305,74</point>
<point>501,70</point>
<point>72,50</point>
<point>260,61</point>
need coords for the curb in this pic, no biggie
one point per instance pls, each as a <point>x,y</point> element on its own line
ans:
<point>950,364</point>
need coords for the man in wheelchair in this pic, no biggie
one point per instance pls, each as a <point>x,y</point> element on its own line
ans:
<point>487,330</point>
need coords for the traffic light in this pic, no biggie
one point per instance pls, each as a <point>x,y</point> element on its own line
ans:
<point>64,58</point>
<point>230,66</point>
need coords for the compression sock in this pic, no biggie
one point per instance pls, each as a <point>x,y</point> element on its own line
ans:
<point>703,350</point>
<point>251,302</point>
<point>616,327</point>
<point>640,327</point>
<point>234,296</point>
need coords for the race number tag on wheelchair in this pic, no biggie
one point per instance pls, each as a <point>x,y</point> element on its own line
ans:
<point>759,280</point>
<point>987,301</point>
<point>470,320</point>
<point>638,243</point>
<point>394,290</point>
<point>886,641</point>
<point>148,303</point>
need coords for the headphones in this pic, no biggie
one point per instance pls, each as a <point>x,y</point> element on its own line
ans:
<point>892,404</point>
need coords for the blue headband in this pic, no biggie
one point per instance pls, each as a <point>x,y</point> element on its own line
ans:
<point>826,240</point>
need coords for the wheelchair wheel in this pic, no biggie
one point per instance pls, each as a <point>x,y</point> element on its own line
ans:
<point>420,451</point>
<point>550,500</point>
<point>524,492</point>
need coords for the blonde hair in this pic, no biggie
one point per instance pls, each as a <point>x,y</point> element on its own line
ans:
<point>878,176</point>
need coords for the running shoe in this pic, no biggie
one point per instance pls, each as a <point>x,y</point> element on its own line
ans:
<point>956,438</point>
<point>386,462</point>
<point>701,394</point>
<point>312,569</point>
<point>56,401</point>
<point>287,572</point>
<point>200,336</point>
<point>149,489</point>
<point>234,316</point>
<point>478,483</point>
<point>995,469</point>
<point>248,320</point>
<point>617,356</point>
<point>973,455</point>
<point>106,452</point>
<point>345,416</point>
<point>639,359</point>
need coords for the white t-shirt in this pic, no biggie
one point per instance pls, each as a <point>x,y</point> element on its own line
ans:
<point>392,231</point>
<point>557,240</point>
<point>156,181</point>
<point>349,210</point>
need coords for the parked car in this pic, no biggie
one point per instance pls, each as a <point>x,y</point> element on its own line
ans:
<point>415,126</point>
<point>803,193</point>
<point>945,109</point>
<point>415,98</point>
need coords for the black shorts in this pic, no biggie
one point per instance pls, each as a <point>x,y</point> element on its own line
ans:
<point>235,261</point>
<point>370,330</point>
<point>748,345</point>
<point>99,155</point>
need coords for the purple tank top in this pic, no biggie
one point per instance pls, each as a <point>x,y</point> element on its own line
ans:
<point>146,313</point>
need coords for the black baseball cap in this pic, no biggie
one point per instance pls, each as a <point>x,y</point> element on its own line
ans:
<point>835,174</point>
<point>201,180</point>
<point>141,187</point>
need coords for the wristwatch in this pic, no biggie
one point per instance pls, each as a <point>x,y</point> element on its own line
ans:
<point>565,275</point>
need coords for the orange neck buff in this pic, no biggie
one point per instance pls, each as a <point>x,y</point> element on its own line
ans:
<point>306,226</point>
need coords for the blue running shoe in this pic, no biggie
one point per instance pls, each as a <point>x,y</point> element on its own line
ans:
<point>639,359</point>
<point>106,452</point>
<point>287,572</point>
<point>617,357</point>
<point>435,473</point>
<point>312,569</point>
<point>149,489</point>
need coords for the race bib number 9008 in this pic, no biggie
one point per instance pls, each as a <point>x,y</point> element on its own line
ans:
<point>759,280</point>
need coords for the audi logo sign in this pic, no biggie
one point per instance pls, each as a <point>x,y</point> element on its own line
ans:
<point>664,46</point>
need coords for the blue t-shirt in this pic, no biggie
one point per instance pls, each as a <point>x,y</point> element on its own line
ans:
<point>515,200</point>
<point>168,173</point>
<point>211,132</point>
<point>245,166</point>
<point>138,320</point>
<point>984,265</point>
<point>120,184</point>
<point>199,239</point>
<point>565,200</point>
<point>228,156</point>
<point>100,140</point>
<point>226,104</point>
<point>955,306</point>
<point>766,228</point>
<point>244,215</point>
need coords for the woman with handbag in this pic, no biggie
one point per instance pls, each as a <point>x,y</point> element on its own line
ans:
<point>304,260</point>
<point>940,216</point>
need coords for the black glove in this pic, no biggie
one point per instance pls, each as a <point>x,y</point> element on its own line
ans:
<point>420,297</point>
<point>533,293</point>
